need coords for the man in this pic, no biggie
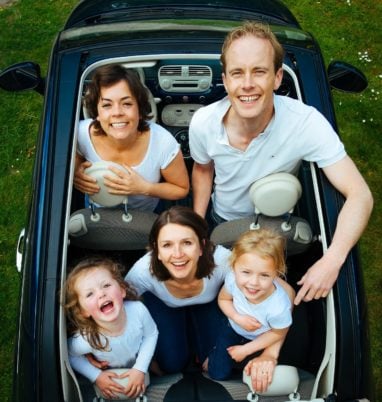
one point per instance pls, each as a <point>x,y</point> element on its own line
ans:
<point>254,132</point>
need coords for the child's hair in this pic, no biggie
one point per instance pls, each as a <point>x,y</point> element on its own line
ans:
<point>86,326</point>
<point>263,242</point>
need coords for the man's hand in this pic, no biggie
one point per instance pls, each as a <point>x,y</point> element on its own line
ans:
<point>318,280</point>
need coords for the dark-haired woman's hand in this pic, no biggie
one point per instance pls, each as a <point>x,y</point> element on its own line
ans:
<point>82,181</point>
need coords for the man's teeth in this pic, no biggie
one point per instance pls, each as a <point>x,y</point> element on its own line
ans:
<point>249,98</point>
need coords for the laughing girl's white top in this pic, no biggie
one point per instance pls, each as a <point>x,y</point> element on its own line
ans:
<point>132,349</point>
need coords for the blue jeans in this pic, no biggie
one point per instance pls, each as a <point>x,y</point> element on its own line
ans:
<point>213,219</point>
<point>220,363</point>
<point>183,330</point>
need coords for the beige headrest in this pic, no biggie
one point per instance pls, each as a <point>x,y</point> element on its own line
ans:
<point>275,194</point>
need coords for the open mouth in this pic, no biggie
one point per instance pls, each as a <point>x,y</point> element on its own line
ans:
<point>107,306</point>
<point>179,265</point>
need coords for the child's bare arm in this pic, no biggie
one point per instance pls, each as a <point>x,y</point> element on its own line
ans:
<point>246,322</point>
<point>266,339</point>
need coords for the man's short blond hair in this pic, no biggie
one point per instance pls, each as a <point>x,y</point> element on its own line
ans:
<point>258,30</point>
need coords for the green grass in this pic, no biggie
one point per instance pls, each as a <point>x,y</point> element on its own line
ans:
<point>344,29</point>
<point>352,32</point>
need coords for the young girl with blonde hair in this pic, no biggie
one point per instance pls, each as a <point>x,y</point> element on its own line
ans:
<point>257,307</point>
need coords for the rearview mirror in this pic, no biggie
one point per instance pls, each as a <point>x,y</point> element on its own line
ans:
<point>345,77</point>
<point>21,77</point>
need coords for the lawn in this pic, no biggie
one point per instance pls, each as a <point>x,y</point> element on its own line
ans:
<point>346,29</point>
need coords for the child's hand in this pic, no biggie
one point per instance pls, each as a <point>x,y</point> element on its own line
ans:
<point>107,385</point>
<point>247,322</point>
<point>238,352</point>
<point>102,365</point>
<point>136,385</point>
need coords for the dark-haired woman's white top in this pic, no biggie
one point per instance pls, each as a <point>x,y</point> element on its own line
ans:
<point>162,150</point>
<point>143,281</point>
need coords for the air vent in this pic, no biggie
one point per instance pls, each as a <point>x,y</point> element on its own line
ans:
<point>199,71</point>
<point>185,78</point>
<point>170,71</point>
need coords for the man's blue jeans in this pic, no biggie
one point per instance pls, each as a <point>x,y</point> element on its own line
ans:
<point>182,331</point>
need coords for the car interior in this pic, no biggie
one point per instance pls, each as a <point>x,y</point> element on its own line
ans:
<point>178,86</point>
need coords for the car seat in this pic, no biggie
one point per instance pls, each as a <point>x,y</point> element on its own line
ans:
<point>274,198</point>
<point>109,224</point>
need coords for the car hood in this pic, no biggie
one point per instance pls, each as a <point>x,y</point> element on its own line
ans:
<point>93,12</point>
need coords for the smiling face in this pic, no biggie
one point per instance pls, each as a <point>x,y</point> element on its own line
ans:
<point>118,111</point>
<point>250,79</point>
<point>254,276</point>
<point>179,251</point>
<point>100,296</point>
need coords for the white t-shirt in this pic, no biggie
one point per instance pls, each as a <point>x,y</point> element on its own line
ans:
<point>143,281</point>
<point>297,132</point>
<point>132,349</point>
<point>162,150</point>
<point>273,312</point>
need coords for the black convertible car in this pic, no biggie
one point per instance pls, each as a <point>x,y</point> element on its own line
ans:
<point>175,48</point>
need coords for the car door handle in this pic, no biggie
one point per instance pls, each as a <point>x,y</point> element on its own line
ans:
<point>19,250</point>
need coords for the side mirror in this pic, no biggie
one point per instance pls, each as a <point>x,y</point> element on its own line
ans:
<point>21,77</point>
<point>345,77</point>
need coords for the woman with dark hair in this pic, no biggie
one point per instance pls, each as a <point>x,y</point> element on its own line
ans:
<point>179,279</point>
<point>119,131</point>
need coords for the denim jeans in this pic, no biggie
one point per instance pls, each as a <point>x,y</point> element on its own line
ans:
<point>213,218</point>
<point>182,331</point>
<point>220,363</point>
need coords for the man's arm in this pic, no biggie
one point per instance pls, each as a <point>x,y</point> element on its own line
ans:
<point>202,179</point>
<point>352,220</point>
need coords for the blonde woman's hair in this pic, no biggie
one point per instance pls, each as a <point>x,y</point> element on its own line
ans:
<point>263,242</point>
<point>86,326</point>
<point>258,30</point>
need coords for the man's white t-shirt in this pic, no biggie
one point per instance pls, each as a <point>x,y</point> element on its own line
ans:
<point>297,132</point>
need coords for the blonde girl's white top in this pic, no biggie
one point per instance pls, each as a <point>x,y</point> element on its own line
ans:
<point>273,312</point>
